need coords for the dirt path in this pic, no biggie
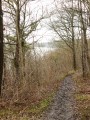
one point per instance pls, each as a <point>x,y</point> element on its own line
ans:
<point>63,107</point>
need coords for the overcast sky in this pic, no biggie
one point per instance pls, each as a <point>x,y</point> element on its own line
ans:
<point>45,6</point>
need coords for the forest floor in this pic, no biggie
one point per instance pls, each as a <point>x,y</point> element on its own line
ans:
<point>82,96</point>
<point>71,102</point>
<point>61,106</point>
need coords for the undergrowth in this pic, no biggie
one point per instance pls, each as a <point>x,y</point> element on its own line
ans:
<point>82,96</point>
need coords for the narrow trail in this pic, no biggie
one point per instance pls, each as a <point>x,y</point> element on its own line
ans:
<point>63,106</point>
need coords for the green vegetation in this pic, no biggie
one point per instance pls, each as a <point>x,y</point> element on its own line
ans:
<point>7,111</point>
<point>41,106</point>
<point>82,97</point>
<point>85,113</point>
<point>35,109</point>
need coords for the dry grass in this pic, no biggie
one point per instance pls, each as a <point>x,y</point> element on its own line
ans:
<point>43,77</point>
<point>30,109</point>
<point>82,96</point>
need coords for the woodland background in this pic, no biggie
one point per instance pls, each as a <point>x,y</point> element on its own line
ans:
<point>28,77</point>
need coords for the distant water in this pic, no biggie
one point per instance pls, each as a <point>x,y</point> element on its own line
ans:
<point>43,50</point>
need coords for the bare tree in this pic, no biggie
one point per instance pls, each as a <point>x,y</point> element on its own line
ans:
<point>64,27</point>
<point>84,25</point>
<point>20,25</point>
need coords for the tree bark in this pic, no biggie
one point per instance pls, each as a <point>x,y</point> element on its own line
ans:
<point>85,55</point>
<point>19,53</point>
<point>1,46</point>
<point>73,39</point>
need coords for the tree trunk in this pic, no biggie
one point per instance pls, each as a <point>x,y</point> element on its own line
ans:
<point>19,53</point>
<point>73,39</point>
<point>85,55</point>
<point>74,58</point>
<point>1,45</point>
